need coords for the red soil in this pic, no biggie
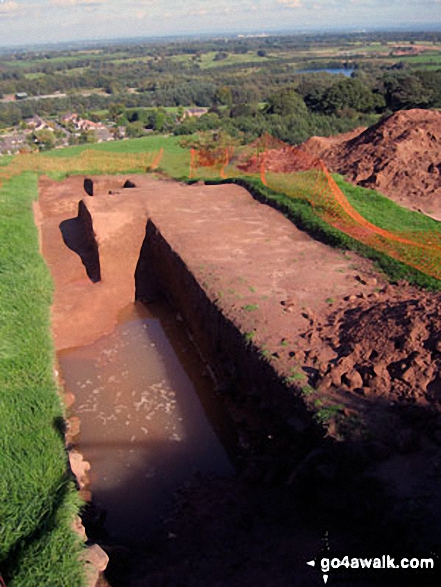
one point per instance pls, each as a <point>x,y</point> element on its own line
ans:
<point>399,156</point>
<point>321,317</point>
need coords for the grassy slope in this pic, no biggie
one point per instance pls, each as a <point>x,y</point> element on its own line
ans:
<point>37,501</point>
<point>383,212</point>
<point>175,163</point>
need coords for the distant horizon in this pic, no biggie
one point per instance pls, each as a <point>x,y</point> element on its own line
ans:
<point>207,35</point>
<point>29,23</point>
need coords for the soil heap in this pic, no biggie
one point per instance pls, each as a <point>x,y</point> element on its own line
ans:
<point>400,156</point>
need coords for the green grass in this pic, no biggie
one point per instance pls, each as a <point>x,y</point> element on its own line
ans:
<point>175,163</point>
<point>308,390</point>
<point>37,499</point>
<point>383,212</point>
<point>432,58</point>
<point>207,60</point>
<point>144,144</point>
<point>5,159</point>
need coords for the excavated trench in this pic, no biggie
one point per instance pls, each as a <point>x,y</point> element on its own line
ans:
<point>150,421</point>
<point>148,394</point>
<point>204,462</point>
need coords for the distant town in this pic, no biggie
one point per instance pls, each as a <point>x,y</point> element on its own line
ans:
<point>40,133</point>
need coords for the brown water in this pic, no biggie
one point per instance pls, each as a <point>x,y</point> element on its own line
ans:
<point>144,428</point>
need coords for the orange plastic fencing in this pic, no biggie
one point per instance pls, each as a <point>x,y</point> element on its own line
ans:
<point>283,168</point>
<point>298,174</point>
<point>213,159</point>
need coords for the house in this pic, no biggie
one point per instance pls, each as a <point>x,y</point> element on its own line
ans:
<point>81,123</point>
<point>37,123</point>
<point>197,112</point>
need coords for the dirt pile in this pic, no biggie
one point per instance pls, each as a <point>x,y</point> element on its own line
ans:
<point>399,156</point>
<point>320,146</point>
<point>394,344</point>
<point>385,360</point>
<point>281,160</point>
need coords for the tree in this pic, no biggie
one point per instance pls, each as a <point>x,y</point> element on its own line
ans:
<point>223,96</point>
<point>116,110</point>
<point>431,81</point>
<point>159,120</point>
<point>220,56</point>
<point>44,139</point>
<point>135,129</point>
<point>286,103</point>
<point>350,94</point>
<point>87,137</point>
<point>243,110</point>
<point>406,91</point>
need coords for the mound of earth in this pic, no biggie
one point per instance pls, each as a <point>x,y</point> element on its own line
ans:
<point>320,146</point>
<point>386,352</point>
<point>394,344</point>
<point>399,156</point>
<point>282,160</point>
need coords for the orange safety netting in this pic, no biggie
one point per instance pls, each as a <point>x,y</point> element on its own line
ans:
<point>298,174</point>
<point>215,159</point>
<point>283,168</point>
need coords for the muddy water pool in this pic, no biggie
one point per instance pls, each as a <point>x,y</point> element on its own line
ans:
<point>150,421</point>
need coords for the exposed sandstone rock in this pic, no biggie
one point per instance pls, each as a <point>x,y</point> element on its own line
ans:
<point>353,379</point>
<point>79,467</point>
<point>73,427</point>
<point>96,556</point>
<point>78,527</point>
<point>68,398</point>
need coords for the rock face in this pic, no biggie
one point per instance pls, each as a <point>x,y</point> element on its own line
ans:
<point>399,156</point>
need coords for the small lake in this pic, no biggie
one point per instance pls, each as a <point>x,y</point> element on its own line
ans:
<point>347,72</point>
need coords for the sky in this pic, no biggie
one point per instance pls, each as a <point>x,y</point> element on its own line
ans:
<point>41,21</point>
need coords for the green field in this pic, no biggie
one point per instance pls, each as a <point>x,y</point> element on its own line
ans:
<point>208,61</point>
<point>37,545</point>
<point>175,162</point>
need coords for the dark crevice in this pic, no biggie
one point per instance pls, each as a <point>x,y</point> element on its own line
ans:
<point>88,186</point>
<point>79,237</point>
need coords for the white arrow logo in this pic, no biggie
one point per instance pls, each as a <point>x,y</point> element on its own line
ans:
<point>312,564</point>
